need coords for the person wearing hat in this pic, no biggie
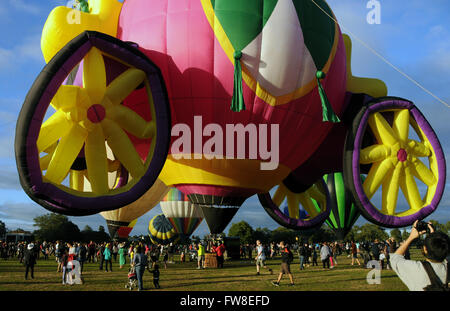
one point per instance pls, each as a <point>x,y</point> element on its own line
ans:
<point>29,260</point>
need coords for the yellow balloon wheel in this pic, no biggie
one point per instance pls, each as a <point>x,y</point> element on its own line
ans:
<point>395,147</point>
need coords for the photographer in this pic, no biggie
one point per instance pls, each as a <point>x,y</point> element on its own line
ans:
<point>435,249</point>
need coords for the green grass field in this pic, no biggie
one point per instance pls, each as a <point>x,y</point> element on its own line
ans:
<point>235,276</point>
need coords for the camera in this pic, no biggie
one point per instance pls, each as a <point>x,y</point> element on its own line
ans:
<point>422,226</point>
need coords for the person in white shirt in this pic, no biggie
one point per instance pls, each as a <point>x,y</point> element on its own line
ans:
<point>260,258</point>
<point>411,272</point>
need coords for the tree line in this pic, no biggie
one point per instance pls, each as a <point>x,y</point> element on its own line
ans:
<point>366,232</point>
<point>54,227</point>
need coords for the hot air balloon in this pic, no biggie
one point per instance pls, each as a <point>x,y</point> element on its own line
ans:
<point>344,213</point>
<point>160,231</point>
<point>120,221</point>
<point>256,94</point>
<point>184,216</point>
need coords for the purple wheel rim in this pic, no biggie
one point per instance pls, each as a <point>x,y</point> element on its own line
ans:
<point>369,209</point>
<point>296,224</point>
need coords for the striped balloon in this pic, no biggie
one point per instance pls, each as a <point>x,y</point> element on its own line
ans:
<point>184,216</point>
<point>344,213</point>
<point>160,230</point>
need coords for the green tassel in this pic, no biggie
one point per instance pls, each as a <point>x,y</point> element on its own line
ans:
<point>237,102</point>
<point>328,114</point>
<point>84,5</point>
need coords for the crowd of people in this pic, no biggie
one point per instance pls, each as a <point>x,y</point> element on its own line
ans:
<point>140,256</point>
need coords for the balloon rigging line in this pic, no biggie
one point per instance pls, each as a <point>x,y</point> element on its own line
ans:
<point>381,56</point>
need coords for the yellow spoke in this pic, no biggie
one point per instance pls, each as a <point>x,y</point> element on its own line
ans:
<point>66,97</point>
<point>52,130</point>
<point>279,195</point>
<point>65,154</point>
<point>391,186</point>
<point>423,173</point>
<point>77,180</point>
<point>94,75</point>
<point>410,190</point>
<point>124,84</point>
<point>132,122</point>
<point>372,154</point>
<point>293,207</point>
<point>401,124</point>
<point>45,161</point>
<point>123,149</point>
<point>419,149</point>
<point>377,173</point>
<point>308,205</point>
<point>96,160</point>
<point>382,130</point>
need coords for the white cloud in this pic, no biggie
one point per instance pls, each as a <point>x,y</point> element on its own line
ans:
<point>29,7</point>
<point>27,50</point>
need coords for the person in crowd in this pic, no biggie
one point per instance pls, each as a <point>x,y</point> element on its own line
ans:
<point>325,254</point>
<point>101,255</point>
<point>171,252</point>
<point>219,249</point>
<point>200,256</point>
<point>122,255</point>
<point>286,258</point>
<point>354,250</point>
<point>418,275</point>
<point>91,252</point>
<point>107,256</point>
<point>302,254</point>
<point>139,263</point>
<point>261,258</point>
<point>29,260</point>
<point>314,256</point>
<point>64,261</point>
<point>115,251</point>
<point>82,255</point>
<point>155,273</point>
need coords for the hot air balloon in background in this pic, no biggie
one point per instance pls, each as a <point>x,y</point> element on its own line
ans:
<point>344,213</point>
<point>120,220</point>
<point>184,216</point>
<point>160,231</point>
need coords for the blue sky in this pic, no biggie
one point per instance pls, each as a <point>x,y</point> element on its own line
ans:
<point>413,35</point>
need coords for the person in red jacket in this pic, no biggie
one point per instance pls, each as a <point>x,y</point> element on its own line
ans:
<point>219,250</point>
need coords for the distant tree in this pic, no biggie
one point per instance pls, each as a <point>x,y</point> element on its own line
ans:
<point>370,232</point>
<point>87,228</point>
<point>243,230</point>
<point>54,227</point>
<point>284,234</point>
<point>101,229</point>
<point>320,234</point>
<point>262,234</point>
<point>405,234</point>
<point>2,228</point>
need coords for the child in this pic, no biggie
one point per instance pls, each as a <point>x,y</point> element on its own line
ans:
<point>155,273</point>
